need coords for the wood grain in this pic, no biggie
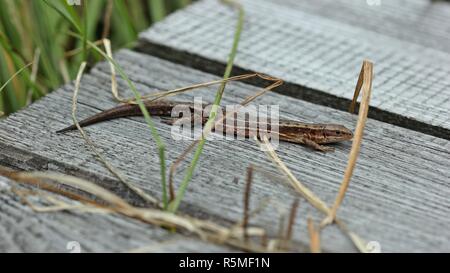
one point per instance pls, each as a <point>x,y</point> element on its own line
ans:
<point>422,22</point>
<point>398,195</point>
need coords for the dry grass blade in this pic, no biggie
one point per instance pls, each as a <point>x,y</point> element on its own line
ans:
<point>295,183</point>
<point>161,95</point>
<point>107,19</point>
<point>357,90</point>
<point>292,217</point>
<point>117,204</point>
<point>248,188</point>
<point>263,204</point>
<point>62,64</point>
<point>57,205</point>
<point>173,92</point>
<point>279,242</point>
<point>359,243</point>
<point>114,90</point>
<point>44,185</point>
<point>13,76</point>
<point>34,71</point>
<point>91,145</point>
<point>169,93</point>
<point>76,183</point>
<point>304,191</point>
<point>76,51</point>
<point>174,166</point>
<point>364,83</point>
<point>314,236</point>
<point>206,230</point>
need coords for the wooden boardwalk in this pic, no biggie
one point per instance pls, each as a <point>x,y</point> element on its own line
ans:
<point>320,58</point>
<point>400,189</point>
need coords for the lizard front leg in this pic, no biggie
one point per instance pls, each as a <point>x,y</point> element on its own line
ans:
<point>308,142</point>
<point>317,146</point>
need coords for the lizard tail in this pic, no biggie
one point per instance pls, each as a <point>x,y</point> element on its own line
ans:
<point>117,112</point>
<point>69,128</point>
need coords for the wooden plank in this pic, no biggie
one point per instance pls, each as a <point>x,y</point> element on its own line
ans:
<point>398,195</point>
<point>319,58</point>
<point>23,230</point>
<point>423,22</point>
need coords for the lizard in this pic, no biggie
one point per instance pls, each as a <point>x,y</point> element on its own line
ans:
<point>309,134</point>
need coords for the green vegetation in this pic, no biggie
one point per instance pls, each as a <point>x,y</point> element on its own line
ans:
<point>38,32</point>
<point>212,116</point>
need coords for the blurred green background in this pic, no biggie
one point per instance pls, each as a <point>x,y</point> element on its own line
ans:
<point>38,31</point>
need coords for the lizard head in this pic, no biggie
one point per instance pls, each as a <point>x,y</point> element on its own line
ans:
<point>336,133</point>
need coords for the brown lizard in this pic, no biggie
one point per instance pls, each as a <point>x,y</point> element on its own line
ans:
<point>309,134</point>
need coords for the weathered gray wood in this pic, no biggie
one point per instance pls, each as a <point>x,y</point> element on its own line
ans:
<point>398,196</point>
<point>23,230</point>
<point>418,21</point>
<point>319,57</point>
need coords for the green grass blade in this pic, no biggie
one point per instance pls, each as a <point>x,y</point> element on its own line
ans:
<point>182,3</point>
<point>157,10</point>
<point>124,31</point>
<point>138,15</point>
<point>13,97</point>
<point>85,30</point>
<point>19,62</point>
<point>71,10</point>
<point>182,190</point>
<point>147,118</point>
<point>95,17</point>
<point>45,34</point>
<point>2,107</point>
<point>8,26</point>
<point>73,16</point>
<point>64,13</point>
<point>13,76</point>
